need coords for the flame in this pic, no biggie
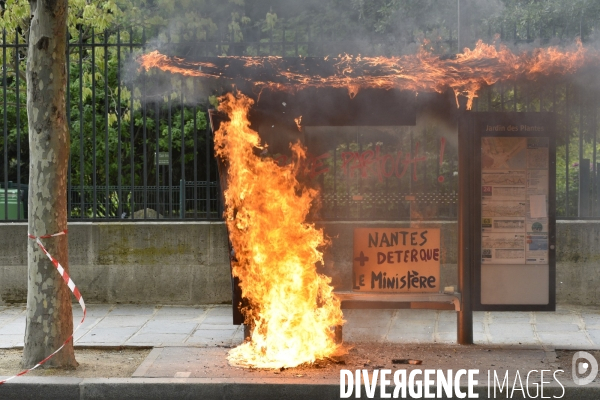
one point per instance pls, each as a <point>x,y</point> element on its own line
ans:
<point>292,307</point>
<point>465,74</point>
<point>298,122</point>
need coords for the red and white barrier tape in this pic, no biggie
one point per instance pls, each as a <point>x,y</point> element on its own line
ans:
<point>71,286</point>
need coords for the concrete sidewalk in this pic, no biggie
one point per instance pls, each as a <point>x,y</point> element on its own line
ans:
<point>153,326</point>
<point>188,359</point>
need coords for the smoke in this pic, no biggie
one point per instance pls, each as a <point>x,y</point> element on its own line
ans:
<point>377,27</point>
<point>199,29</point>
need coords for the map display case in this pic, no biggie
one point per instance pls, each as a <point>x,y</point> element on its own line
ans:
<point>514,226</point>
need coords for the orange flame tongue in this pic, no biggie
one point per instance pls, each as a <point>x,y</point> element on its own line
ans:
<point>465,74</point>
<point>292,307</point>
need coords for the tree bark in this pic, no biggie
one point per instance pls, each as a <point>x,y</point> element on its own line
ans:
<point>49,312</point>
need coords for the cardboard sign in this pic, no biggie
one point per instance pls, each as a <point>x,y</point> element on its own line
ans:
<point>395,260</point>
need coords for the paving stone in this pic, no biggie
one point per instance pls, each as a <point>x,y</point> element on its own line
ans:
<point>362,335</point>
<point>8,341</point>
<point>6,319</point>
<point>14,310</point>
<point>89,322</point>
<point>410,338</point>
<point>200,341</point>
<point>13,328</point>
<point>131,309</point>
<point>157,338</point>
<point>118,321</point>
<point>517,340</point>
<point>116,336</point>
<point>512,314</point>
<point>595,336</point>
<point>158,327</point>
<point>562,340</point>
<point>220,310</point>
<point>173,310</point>
<point>510,330</point>
<point>591,320</point>
<point>214,334</point>
<point>557,317</point>
<point>558,327</point>
<point>79,334</point>
<point>218,320</point>
<point>510,318</point>
<point>209,341</point>
<point>218,327</point>
<point>180,313</point>
<point>96,310</point>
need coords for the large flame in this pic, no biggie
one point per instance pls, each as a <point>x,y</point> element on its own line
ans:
<point>291,306</point>
<point>465,74</point>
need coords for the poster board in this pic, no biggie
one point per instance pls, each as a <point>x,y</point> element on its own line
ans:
<point>396,260</point>
<point>514,185</point>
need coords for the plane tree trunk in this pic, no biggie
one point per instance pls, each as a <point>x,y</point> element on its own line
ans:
<point>49,312</point>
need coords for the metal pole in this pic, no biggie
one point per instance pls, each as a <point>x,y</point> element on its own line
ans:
<point>465,232</point>
<point>94,158</point>
<point>5,112</point>
<point>458,27</point>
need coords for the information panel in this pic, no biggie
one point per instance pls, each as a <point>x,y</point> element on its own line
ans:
<point>514,209</point>
<point>515,172</point>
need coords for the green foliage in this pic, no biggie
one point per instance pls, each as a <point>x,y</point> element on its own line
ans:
<point>370,27</point>
<point>564,19</point>
<point>102,102</point>
<point>117,116</point>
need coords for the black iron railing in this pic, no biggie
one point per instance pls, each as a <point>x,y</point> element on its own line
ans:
<point>136,136</point>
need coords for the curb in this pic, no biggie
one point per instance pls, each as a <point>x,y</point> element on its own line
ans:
<point>221,389</point>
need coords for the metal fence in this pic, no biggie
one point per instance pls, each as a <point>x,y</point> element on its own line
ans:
<point>134,138</point>
<point>141,147</point>
<point>191,199</point>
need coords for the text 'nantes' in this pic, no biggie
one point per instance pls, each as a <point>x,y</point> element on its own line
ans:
<point>405,239</point>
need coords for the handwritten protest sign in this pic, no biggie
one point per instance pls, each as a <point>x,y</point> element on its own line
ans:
<point>395,260</point>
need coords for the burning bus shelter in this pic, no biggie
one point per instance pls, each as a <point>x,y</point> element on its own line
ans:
<point>387,167</point>
<point>381,156</point>
<point>364,166</point>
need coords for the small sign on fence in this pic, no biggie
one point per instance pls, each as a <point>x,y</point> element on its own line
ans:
<point>163,158</point>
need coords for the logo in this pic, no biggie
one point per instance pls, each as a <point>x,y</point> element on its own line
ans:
<point>584,363</point>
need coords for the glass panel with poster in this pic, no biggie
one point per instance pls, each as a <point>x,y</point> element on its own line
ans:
<point>514,209</point>
<point>513,181</point>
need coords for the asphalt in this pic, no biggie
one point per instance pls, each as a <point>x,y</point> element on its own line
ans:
<point>190,346</point>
